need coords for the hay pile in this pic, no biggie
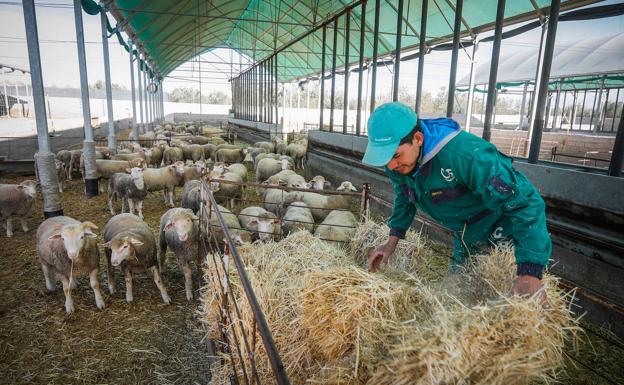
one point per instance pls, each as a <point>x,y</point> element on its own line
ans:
<point>335,323</point>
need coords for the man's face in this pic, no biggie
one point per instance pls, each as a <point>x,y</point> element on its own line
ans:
<point>406,156</point>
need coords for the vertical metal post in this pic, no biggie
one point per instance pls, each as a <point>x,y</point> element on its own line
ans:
<point>538,125</point>
<point>617,154</point>
<point>473,62</point>
<point>491,97</point>
<point>322,93</point>
<point>6,95</point>
<point>91,178</point>
<point>17,101</point>
<point>533,99</point>
<point>358,118</point>
<point>270,90</point>
<point>345,103</point>
<point>556,110</point>
<point>397,52</point>
<point>44,158</point>
<point>523,104</point>
<point>599,99</point>
<point>333,77</point>
<point>565,96</point>
<point>454,55</point>
<point>140,90</point>
<point>421,53</point>
<point>617,96</point>
<point>603,111</point>
<point>107,80</point>
<point>276,93</point>
<point>135,133</point>
<point>162,99</point>
<point>375,54</point>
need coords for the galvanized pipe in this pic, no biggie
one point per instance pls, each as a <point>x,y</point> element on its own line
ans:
<point>421,53</point>
<point>107,80</point>
<point>333,77</point>
<point>135,133</point>
<point>454,55</point>
<point>140,90</point>
<point>491,94</point>
<point>358,119</point>
<point>91,177</point>
<point>538,125</point>
<point>397,52</point>
<point>6,95</point>
<point>617,154</point>
<point>345,103</point>
<point>322,93</point>
<point>475,47</point>
<point>375,53</point>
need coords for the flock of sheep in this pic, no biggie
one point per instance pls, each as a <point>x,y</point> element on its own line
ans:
<point>162,160</point>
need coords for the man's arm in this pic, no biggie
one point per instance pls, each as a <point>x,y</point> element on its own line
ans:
<point>403,210</point>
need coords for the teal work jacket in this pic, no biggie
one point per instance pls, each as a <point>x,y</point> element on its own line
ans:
<point>466,185</point>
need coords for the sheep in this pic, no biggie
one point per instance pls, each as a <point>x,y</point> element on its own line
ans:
<point>237,168</point>
<point>318,183</point>
<point>346,186</point>
<point>280,148</point>
<point>65,157</point>
<point>297,217</point>
<point>268,167</point>
<point>153,156</point>
<point>67,249</point>
<point>273,199</point>
<point>231,155</point>
<point>147,139</point>
<point>105,151</point>
<point>172,155</point>
<point>193,172</point>
<point>262,224</point>
<point>239,235</point>
<point>61,173</point>
<point>216,140</point>
<point>132,146</point>
<point>198,139</point>
<point>268,146</point>
<point>74,163</point>
<point>129,188</point>
<point>320,204</point>
<point>254,151</point>
<point>16,200</point>
<point>105,168</point>
<point>280,178</point>
<point>227,146</point>
<point>165,178</point>
<point>179,231</point>
<point>209,150</point>
<point>193,152</point>
<point>298,153</point>
<point>248,161</point>
<point>133,155</point>
<point>289,159</point>
<point>338,226</point>
<point>226,192</point>
<point>191,195</point>
<point>259,157</point>
<point>130,244</point>
<point>296,181</point>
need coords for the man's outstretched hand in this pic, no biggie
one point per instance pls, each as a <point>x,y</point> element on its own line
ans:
<point>530,285</point>
<point>378,259</point>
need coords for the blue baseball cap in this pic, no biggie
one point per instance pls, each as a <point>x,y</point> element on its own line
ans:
<point>387,125</point>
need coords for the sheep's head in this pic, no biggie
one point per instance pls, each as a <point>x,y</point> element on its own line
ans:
<point>122,248</point>
<point>346,186</point>
<point>177,168</point>
<point>74,237</point>
<point>218,169</point>
<point>183,223</point>
<point>136,173</point>
<point>267,225</point>
<point>317,183</point>
<point>29,187</point>
<point>285,164</point>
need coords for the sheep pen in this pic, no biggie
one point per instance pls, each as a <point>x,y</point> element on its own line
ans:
<point>335,323</point>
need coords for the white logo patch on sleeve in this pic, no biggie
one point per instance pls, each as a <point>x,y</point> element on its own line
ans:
<point>447,174</point>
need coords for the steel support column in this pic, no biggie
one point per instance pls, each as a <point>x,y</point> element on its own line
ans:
<point>140,90</point>
<point>88,151</point>
<point>538,124</point>
<point>345,103</point>
<point>471,86</point>
<point>135,132</point>
<point>6,95</point>
<point>397,52</point>
<point>44,158</point>
<point>358,119</point>
<point>107,80</point>
<point>276,93</point>
<point>375,54</point>
<point>333,77</point>
<point>454,55</point>
<point>322,92</point>
<point>421,53</point>
<point>491,94</point>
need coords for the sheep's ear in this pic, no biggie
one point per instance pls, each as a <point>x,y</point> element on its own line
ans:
<point>135,242</point>
<point>353,188</point>
<point>54,236</point>
<point>168,225</point>
<point>128,170</point>
<point>89,225</point>
<point>253,222</point>
<point>106,244</point>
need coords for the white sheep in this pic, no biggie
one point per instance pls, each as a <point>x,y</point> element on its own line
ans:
<point>239,235</point>
<point>320,204</point>
<point>166,179</point>
<point>179,231</point>
<point>130,188</point>
<point>130,244</point>
<point>268,167</point>
<point>226,192</point>
<point>191,195</point>
<point>67,249</point>
<point>16,200</point>
<point>298,217</point>
<point>273,200</point>
<point>298,153</point>
<point>296,181</point>
<point>338,226</point>
<point>231,155</point>
<point>262,224</point>
<point>318,183</point>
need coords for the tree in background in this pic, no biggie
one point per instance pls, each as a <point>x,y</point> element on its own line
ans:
<point>191,95</point>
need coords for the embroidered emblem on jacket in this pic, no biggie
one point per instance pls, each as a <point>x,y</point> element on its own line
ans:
<point>447,174</point>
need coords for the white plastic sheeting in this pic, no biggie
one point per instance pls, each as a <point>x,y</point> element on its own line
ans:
<point>586,57</point>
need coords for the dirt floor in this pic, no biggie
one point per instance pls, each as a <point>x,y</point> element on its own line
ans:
<point>145,342</point>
